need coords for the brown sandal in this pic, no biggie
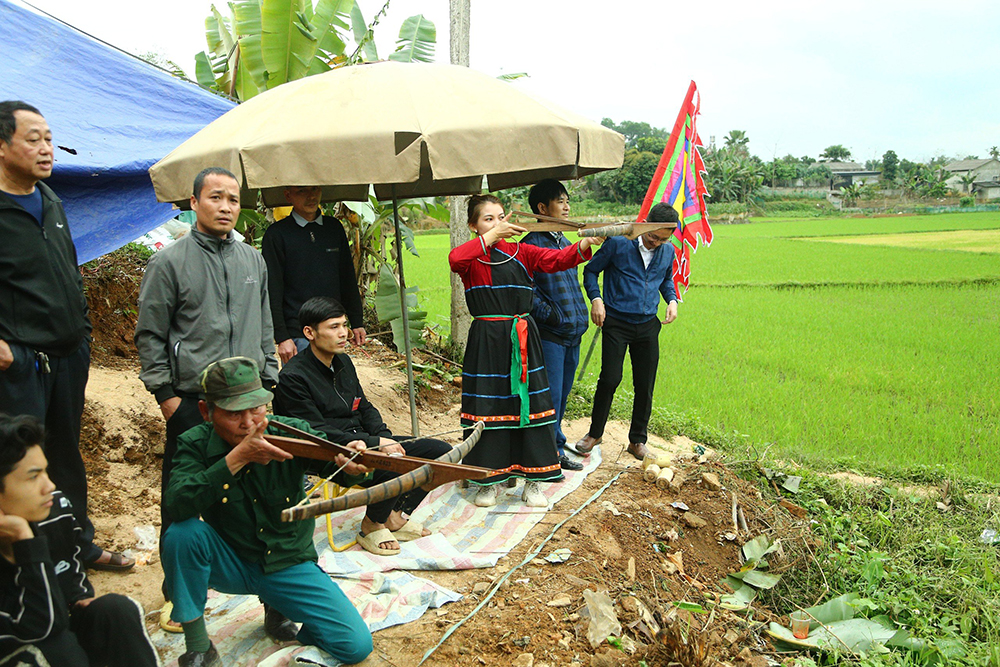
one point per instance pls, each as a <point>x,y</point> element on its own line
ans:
<point>116,563</point>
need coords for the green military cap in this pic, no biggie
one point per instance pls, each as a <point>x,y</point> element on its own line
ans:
<point>234,384</point>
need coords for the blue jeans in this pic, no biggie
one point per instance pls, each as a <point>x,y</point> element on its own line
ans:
<point>560,365</point>
<point>195,558</point>
<point>300,343</point>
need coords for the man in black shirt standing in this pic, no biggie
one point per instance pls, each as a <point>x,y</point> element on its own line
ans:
<point>44,328</point>
<point>307,255</point>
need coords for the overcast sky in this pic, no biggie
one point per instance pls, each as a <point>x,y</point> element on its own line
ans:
<point>916,76</point>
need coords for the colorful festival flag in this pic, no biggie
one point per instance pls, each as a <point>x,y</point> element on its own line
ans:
<point>678,182</point>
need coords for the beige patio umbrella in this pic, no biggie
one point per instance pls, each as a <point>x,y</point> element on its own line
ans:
<point>408,129</point>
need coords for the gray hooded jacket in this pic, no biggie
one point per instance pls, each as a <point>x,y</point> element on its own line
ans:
<point>202,299</point>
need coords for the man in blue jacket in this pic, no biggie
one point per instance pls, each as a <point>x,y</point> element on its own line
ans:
<point>558,309</point>
<point>636,274</point>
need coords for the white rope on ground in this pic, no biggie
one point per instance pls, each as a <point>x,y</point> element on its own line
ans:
<point>527,559</point>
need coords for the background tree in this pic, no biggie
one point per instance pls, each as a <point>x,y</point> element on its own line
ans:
<point>851,194</point>
<point>652,144</point>
<point>783,172</point>
<point>166,64</point>
<point>995,153</point>
<point>890,164</point>
<point>628,183</point>
<point>733,176</point>
<point>633,131</point>
<point>835,153</point>
<point>737,141</point>
<point>967,180</point>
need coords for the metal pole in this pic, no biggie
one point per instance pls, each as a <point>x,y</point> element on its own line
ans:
<point>414,424</point>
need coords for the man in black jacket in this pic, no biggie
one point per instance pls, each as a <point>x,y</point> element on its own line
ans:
<point>320,386</point>
<point>44,329</point>
<point>307,255</point>
<point>48,612</point>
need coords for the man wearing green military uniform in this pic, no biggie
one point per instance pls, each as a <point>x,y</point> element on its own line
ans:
<point>227,473</point>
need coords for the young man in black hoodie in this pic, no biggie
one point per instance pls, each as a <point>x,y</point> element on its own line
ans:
<point>48,612</point>
<point>320,386</point>
<point>44,329</point>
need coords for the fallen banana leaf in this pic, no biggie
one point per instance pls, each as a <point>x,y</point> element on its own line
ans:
<point>759,579</point>
<point>758,547</point>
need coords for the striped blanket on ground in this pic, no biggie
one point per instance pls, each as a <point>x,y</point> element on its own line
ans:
<point>463,537</point>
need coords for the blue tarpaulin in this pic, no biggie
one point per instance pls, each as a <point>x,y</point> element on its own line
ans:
<point>112,116</point>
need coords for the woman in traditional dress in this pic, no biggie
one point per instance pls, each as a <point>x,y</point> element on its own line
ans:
<point>504,383</point>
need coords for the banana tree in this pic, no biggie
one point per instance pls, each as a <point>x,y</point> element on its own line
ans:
<point>370,229</point>
<point>261,44</point>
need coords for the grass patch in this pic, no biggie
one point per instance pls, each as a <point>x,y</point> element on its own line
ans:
<point>966,240</point>
<point>787,227</point>
<point>922,567</point>
<point>889,376</point>
<point>877,357</point>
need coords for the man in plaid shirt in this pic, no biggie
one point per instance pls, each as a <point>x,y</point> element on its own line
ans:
<point>559,309</point>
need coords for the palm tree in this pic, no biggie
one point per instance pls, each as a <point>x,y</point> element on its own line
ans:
<point>737,141</point>
<point>835,153</point>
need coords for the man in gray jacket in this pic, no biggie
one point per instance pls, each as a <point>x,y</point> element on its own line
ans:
<point>202,299</point>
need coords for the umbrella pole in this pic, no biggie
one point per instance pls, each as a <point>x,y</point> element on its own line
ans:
<point>414,425</point>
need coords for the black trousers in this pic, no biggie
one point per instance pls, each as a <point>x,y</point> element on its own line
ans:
<point>109,632</point>
<point>186,417</point>
<point>642,342</point>
<point>425,448</point>
<point>56,398</point>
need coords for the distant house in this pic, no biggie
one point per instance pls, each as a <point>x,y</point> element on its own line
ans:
<point>984,171</point>
<point>848,173</point>
<point>986,189</point>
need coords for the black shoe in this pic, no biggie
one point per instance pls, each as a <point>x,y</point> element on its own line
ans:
<point>200,658</point>
<point>568,464</point>
<point>277,626</point>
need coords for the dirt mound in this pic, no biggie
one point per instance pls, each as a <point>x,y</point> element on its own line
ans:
<point>111,284</point>
<point>631,544</point>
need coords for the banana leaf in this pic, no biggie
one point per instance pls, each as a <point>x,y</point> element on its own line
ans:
<point>387,307</point>
<point>362,34</point>
<point>203,70</point>
<point>329,18</point>
<point>739,600</point>
<point>755,550</point>
<point>283,40</point>
<point>417,37</point>
<point>856,635</point>
<point>835,629</point>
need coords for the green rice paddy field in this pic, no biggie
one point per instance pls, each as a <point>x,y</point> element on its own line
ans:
<point>878,348</point>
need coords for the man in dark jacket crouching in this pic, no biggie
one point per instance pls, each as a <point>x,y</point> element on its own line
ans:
<point>48,612</point>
